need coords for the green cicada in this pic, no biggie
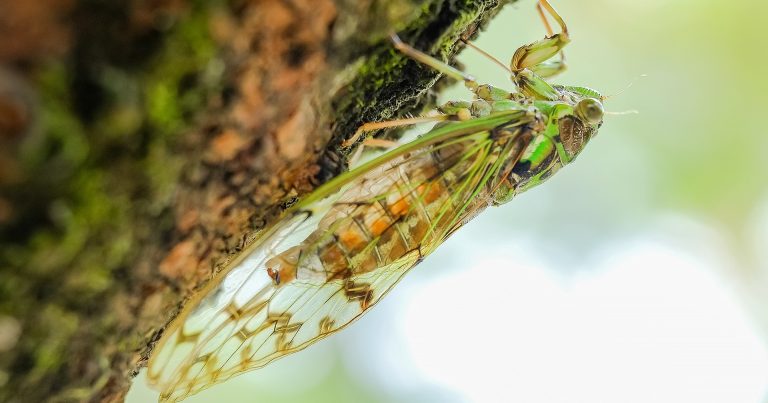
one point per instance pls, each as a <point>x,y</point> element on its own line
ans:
<point>340,250</point>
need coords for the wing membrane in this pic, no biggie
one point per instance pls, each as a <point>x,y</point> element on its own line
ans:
<point>350,242</point>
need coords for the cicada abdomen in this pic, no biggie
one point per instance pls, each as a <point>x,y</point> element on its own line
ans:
<point>401,208</point>
<point>377,227</point>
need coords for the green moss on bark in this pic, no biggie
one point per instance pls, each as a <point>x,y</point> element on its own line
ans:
<point>92,185</point>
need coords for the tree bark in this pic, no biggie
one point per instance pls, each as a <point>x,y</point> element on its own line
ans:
<point>143,143</point>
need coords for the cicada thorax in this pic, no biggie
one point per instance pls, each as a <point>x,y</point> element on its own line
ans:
<point>398,209</point>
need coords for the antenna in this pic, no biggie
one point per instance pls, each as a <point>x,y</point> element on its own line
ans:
<point>631,83</point>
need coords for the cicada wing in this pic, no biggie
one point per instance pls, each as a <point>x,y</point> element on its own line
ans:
<point>186,358</point>
<point>244,319</point>
<point>248,320</point>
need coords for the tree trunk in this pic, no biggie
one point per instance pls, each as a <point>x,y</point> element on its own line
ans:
<point>142,143</point>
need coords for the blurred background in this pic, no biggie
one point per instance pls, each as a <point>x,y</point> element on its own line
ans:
<point>639,273</point>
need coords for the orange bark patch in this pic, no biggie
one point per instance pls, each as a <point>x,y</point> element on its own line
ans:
<point>188,219</point>
<point>34,29</point>
<point>225,146</point>
<point>290,142</point>
<point>180,262</point>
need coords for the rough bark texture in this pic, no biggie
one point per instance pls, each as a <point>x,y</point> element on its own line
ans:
<point>142,143</point>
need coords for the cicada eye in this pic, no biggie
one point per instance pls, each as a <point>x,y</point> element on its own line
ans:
<point>590,110</point>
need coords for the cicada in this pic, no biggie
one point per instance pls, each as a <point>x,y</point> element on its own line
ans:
<point>336,253</point>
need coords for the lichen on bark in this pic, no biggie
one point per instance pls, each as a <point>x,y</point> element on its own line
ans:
<point>144,143</point>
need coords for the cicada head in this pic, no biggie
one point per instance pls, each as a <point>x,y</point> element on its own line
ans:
<point>578,122</point>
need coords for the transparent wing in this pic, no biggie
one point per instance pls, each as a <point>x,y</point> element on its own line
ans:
<point>345,247</point>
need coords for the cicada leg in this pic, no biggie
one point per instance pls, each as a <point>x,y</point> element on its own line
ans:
<point>530,63</point>
<point>544,20</point>
<point>388,124</point>
<point>371,126</point>
<point>485,92</point>
<point>531,55</point>
<point>430,61</point>
<point>373,143</point>
<point>485,54</point>
<point>550,68</point>
<point>546,69</point>
<point>463,113</point>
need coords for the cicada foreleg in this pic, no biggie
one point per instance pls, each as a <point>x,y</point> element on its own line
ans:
<point>534,54</point>
<point>545,69</point>
<point>550,68</point>
<point>530,63</point>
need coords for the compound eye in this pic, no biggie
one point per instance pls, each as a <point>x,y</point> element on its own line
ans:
<point>590,110</point>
